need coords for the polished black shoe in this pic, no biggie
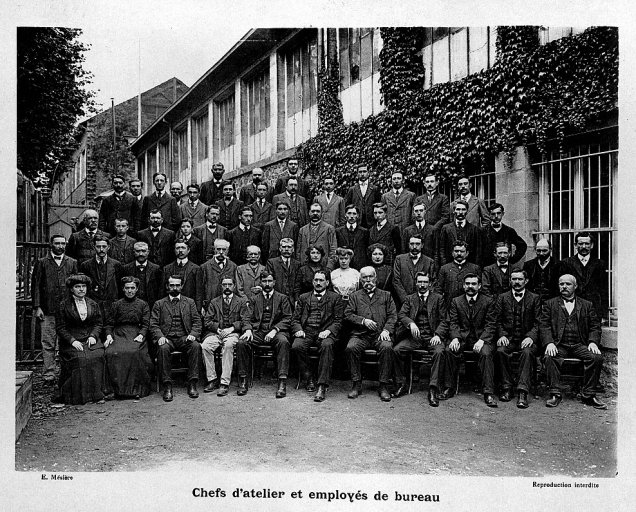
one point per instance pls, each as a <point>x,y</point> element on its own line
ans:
<point>490,400</point>
<point>385,396</point>
<point>356,389</point>
<point>167,393</point>
<point>553,401</point>
<point>320,394</point>
<point>211,386</point>
<point>192,390</point>
<point>402,390</point>
<point>446,394</point>
<point>311,385</point>
<point>522,401</point>
<point>506,396</point>
<point>242,389</point>
<point>282,388</point>
<point>223,390</point>
<point>594,402</point>
<point>432,398</point>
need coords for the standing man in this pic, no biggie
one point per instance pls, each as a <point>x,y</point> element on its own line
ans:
<point>542,272</point>
<point>135,185</point>
<point>160,240</point>
<point>189,272</point>
<point>517,322</point>
<point>284,269</point>
<point>270,323</point>
<point>497,232</point>
<point>292,172</point>
<point>317,233</point>
<point>215,270</point>
<point>364,195</point>
<point>121,245</point>
<point>80,244</point>
<point>317,321</point>
<point>297,203</point>
<point>460,229</point>
<point>450,280</point>
<point>194,244</point>
<point>421,228</point>
<point>176,191</point>
<point>496,277</point>
<point>211,231</point>
<point>277,229</point>
<point>373,315</point>
<point>333,206</point>
<point>476,213</point>
<point>103,272</point>
<point>248,275</point>
<point>569,327</point>
<point>248,193</point>
<point>263,210</point>
<point>354,236</point>
<point>149,274</point>
<point>193,208</point>
<point>436,205</point>
<point>48,290</point>
<point>119,205</point>
<point>212,191</point>
<point>162,201</point>
<point>385,233</point>
<point>407,266</point>
<point>175,324</point>
<point>243,236</point>
<point>227,317</point>
<point>399,202</point>
<point>229,207</point>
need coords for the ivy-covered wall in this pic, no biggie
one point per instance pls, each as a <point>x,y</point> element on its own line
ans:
<point>531,94</point>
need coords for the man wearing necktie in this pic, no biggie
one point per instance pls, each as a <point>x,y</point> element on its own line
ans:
<point>263,210</point>
<point>460,229</point>
<point>162,201</point>
<point>354,236</point>
<point>496,277</point>
<point>364,195</point>
<point>277,229</point>
<point>399,203</point>
<point>421,228</point>
<point>103,272</point>
<point>190,273</point>
<point>160,239</point>
<point>243,235</point>
<point>193,208</point>
<point>570,327</point>
<point>477,212</point>
<point>215,270</point>
<point>333,206</point>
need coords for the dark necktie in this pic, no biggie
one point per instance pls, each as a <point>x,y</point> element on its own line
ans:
<point>174,300</point>
<point>227,301</point>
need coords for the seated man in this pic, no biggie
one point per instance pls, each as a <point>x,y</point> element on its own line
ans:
<point>270,322</point>
<point>226,317</point>
<point>175,324</point>
<point>422,315</point>
<point>373,315</point>
<point>317,321</point>
<point>569,327</point>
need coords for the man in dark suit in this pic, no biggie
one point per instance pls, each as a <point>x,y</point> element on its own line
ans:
<point>160,240</point>
<point>399,202</point>
<point>569,327</point>
<point>162,201</point>
<point>421,318</point>
<point>149,274</point>
<point>270,322</point>
<point>354,236</point>
<point>496,277</point>
<point>542,272</point>
<point>471,324</point>
<point>194,244</point>
<point>436,205</point>
<point>422,229</point>
<point>175,324</point>
<point>476,210</point>
<point>364,195</point>
<point>277,229</point>
<point>285,268</point>
<point>373,315</point>
<point>263,210</point>
<point>135,185</point>
<point>80,244</point>
<point>590,273</point>
<point>498,232</point>
<point>209,232</point>
<point>119,205</point>
<point>407,266</point>
<point>317,233</point>
<point>189,272</point>
<point>247,194</point>
<point>292,172</point>
<point>450,280</point>
<point>385,233</point>
<point>215,270</point>
<point>229,207</point>
<point>460,229</point>
<point>297,204</point>
<point>48,290</point>
<point>317,321</point>
<point>121,245</point>
<point>211,190</point>
<point>176,191</point>
<point>103,272</point>
<point>242,236</point>
<point>193,208</point>
<point>517,322</point>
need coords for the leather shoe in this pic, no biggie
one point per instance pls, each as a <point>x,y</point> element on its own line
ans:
<point>223,390</point>
<point>242,389</point>
<point>490,400</point>
<point>385,396</point>
<point>282,388</point>
<point>211,386</point>
<point>192,390</point>
<point>505,396</point>
<point>446,394</point>
<point>320,394</point>
<point>167,393</point>
<point>432,398</point>
<point>522,401</point>
<point>594,402</point>
<point>553,401</point>
<point>311,385</point>
<point>401,391</point>
<point>356,389</point>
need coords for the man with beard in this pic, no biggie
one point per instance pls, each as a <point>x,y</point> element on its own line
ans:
<point>436,205</point>
<point>317,233</point>
<point>189,272</point>
<point>193,208</point>
<point>263,210</point>
<point>399,202</point>
<point>450,280</point>
<point>422,229</point>
<point>542,272</point>
<point>292,172</point>
<point>211,190</point>
<point>162,201</point>
<point>229,207</point>
<point>498,232</point>
<point>215,270</point>
<point>248,275</point>
<point>248,193</point>
<point>80,244</point>
<point>243,236</point>
<point>121,245</point>
<point>364,195</point>
<point>407,266</point>
<point>160,240</point>
<point>476,210</point>
<point>119,205</point>
<point>373,315</point>
<point>210,232</point>
<point>277,229</point>
<point>297,203</point>
<point>148,273</point>
<point>176,191</point>
<point>460,229</point>
<point>496,277</point>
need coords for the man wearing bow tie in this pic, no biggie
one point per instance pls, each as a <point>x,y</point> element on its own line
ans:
<point>212,190</point>
<point>496,277</point>
<point>160,240</point>
<point>569,327</point>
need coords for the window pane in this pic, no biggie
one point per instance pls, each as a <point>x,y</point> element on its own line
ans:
<point>354,52</point>
<point>366,53</point>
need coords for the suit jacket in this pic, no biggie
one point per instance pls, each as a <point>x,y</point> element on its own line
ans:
<point>247,193</point>
<point>404,274</point>
<point>380,309</point>
<point>399,210</point>
<point>167,205</point>
<point>229,214</point>
<point>285,277</point>
<point>108,292</point>
<point>553,316</point>
<point>429,240</point>
<point>161,245</point>
<point>358,242</point>
<point>483,319</point>
<point>196,214</point>
<point>246,278</point>
<point>450,280</point>
<point>211,191</point>
<point>534,271</point>
<point>530,312</point>
<point>331,313</point>
<point>298,212</point>
<point>207,239</point>
<point>240,240</point>
<point>272,235</point>
<point>70,327</point>
<point>122,250</point>
<point>333,212</point>
<point>239,315</point>
<point>150,281</point>
<point>48,284</point>
<point>325,237</point>
<point>161,318</point>
<point>365,203</point>
<point>80,245</point>
<point>281,186</point>
<point>196,249</point>
<point>470,234</point>
<point>505,234</point>
<point>281,313</point>
<point>262,214</point>
<point>434,307</point>
<point>437,211</point>
<point>477,211</point>
<point>390,236</point>
<point>191,284</point>
<point>591,281</point>
<point>213,275</point>
<point>114,208</point>
<point>494,281</point>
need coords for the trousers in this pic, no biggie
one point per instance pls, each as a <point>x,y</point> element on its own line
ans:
<point>210,345</point>
<point>164,360</point>
<point>355,348</point>
<point>592,365</point>
<point>300,347</point>
<point>280,344</point>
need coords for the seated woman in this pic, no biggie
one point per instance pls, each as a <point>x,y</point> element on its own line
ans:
<point>127,356</point>
<point>305,276</point>
<point>384,273</point>
<point>344,279</point>
<point>78,324</point>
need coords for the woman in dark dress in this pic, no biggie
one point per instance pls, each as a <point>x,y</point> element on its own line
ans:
<point>305,276</point>
<point>127,356</point>
<point>79,324</point>
<point>384,273</point>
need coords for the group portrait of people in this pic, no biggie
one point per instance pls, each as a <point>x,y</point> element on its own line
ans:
<point>317,281</point>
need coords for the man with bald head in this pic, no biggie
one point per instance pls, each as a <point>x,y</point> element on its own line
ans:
<point>542,271</point>
<point>248,193</point>
<point>570,327</point>
<point>80,244</point>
